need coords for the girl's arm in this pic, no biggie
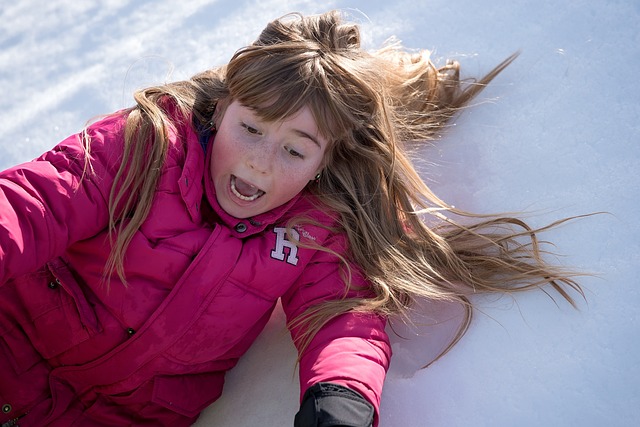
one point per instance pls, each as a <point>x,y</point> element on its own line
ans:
<point>351,351</point>
<point>55,200</point>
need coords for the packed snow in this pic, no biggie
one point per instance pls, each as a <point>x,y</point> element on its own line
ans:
<point>556,135</point>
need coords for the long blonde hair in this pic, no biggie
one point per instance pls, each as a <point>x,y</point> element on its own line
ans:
<point>369,105</point>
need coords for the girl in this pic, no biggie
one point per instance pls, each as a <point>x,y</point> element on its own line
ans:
<point>140,258</point>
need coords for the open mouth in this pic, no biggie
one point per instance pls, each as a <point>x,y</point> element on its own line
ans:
<point>243,190</point>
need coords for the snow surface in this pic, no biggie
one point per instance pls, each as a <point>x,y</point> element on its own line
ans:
<point>557,134</point>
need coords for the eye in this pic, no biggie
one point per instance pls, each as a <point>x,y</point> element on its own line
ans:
<point>250,129</point>
<point>294,153</point>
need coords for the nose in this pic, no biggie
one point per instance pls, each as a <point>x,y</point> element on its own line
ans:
<point>261,157</point>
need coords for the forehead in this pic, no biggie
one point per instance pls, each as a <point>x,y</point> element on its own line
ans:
<point>286,105</point>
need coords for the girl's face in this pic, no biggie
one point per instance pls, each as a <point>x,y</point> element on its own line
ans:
<point>257,166</point>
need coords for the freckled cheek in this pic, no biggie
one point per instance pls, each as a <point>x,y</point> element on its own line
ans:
<point>223,157</point>
<point>297,173</point>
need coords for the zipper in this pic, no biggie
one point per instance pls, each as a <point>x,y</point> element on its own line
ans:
<point>13,422</point>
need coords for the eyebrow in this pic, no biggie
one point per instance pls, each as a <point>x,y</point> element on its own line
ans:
<point>304,134</point>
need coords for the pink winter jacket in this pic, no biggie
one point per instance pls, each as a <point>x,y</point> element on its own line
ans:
<point>202,286</point>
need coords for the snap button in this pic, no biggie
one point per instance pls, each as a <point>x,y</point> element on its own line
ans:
<point>6,408</point>
<point>241,227</point>
<point>131,331</point>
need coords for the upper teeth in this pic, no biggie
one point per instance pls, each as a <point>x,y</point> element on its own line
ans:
<point>242,196</point>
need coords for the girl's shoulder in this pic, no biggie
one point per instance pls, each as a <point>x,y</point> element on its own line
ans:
<point>315,221</point>
<point>309,206</point>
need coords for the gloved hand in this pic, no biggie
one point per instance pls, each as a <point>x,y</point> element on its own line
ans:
<point>333,405</point>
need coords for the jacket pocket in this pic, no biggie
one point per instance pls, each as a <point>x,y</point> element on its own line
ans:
<point>53,310</point>
<point>188,395</point>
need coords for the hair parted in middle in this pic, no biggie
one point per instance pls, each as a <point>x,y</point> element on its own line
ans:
<point>369,106</point>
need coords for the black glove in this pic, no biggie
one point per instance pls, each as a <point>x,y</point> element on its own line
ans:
<point>332,405</point>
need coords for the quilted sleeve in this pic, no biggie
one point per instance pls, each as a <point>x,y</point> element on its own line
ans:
<point>352,350</point>
<point>53,201</point>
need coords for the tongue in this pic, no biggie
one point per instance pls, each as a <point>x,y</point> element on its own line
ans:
<point>245,189</point>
